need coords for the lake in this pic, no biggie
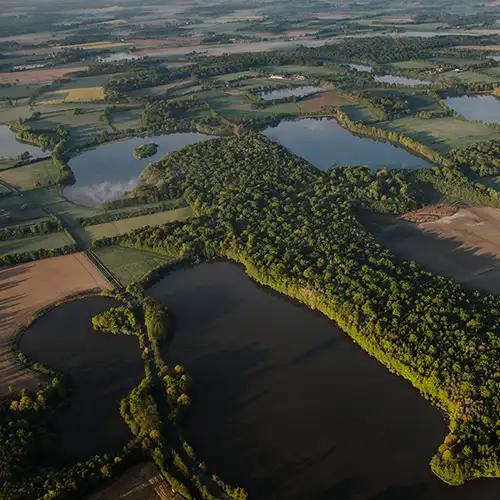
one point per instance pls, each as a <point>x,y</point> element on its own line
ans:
<point>287,406</point>
<point>117,56</point>
<point>401,80</point>
<point>110,171</point>
<point>282,93</point>
<point>103,367</point>
<point>10,147</point>
<point>364,68</point>
<point>480,107</point>
<point>324,143</point>
<point>497,58</point>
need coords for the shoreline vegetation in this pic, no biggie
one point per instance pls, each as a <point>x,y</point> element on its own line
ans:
<point>145,150</point>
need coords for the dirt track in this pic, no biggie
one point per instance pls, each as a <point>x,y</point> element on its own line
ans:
<point>464,246</point>
<point>26,288</point>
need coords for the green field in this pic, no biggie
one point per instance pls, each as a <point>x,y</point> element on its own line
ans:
<point>413,64</point>
<point>125,225</point>
<point>20,209</point>
<point>41,173</point>
<point>128,264</point>
<point>32,243</point>
<point>127,117</point>
<point>314,71</point>
<point>472,77</point>
<point>441,134</point>
<point>358,113</point>
<point>457,61</point>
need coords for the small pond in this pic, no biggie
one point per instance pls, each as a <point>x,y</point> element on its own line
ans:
<point>110,171</point>
<point>103,367</point>
<point>10,147</point>
<point>324,144</point>
<point>364,68</point>
<point>117,56</point>
<point>480,107</point>
<point>497,58</point>
<point>287,406</point>
<point>282,93</point>
<point>401,80</point>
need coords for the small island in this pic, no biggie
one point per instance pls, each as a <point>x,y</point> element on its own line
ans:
<point>145,150</point>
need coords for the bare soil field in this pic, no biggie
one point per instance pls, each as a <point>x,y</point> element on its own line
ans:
<point>479,47</point>
<point>26,288</point>
<point>328,98</point>
<point>430,214</point>
<point>142,482</point>
<point>38,75</point>
<point>464,246</point>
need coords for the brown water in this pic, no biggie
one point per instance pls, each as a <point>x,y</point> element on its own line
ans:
<point>104,368</point>
<point>287,406</point>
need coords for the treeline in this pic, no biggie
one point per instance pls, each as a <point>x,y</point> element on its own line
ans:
<point>42,227</point>
<point>482,158</point>
<point>43,253</point>
<point>138,79</point>
<point>295,230</point>
<point>386,107</point>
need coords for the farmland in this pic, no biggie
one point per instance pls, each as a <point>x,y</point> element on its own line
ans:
<point>88,94</point>
<point>29,287</point>
<point>37,76</point>
<point>33,243</point>
<point>41,173</point>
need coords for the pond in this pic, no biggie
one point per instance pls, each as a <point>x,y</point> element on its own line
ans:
<point>287,406</point>
<point>364,68</point>
<point>10,147</point>
<point>103,367</point>
<point>282,93</point>
<point>117,56</point>
<point>324,144</point>
<point>497,58</point>
<point>401,80</point>
<point>480,107</point>
<point>110,171</point>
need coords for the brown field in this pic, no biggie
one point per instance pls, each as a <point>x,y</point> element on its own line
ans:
<point>96,45</point>
<point>328,98</point>
<point>184,40</point>
<point>430,214</point>
<point>37,75</point>
<point>26,288</point>
<point>480,47</point>
<point>142,482</point>
<point>464,246</point>
<point>160,89</point>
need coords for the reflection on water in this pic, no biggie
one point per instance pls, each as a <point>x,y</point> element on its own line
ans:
<point>10,147</point>
<point>401,80</point>
<point>481,107</point>
<point>364,68</point>
<point>282,93</point>
<point>118,56</point>
<point>111,171</point>
<point>324,143</point>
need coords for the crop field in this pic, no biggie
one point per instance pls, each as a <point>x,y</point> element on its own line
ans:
<point>358,113</point>
<point>16,92</point>
<point>9,113</point>
<point>141,482</point>
<point>38,75</point>
<point>32,243</point>
<point>128,264</point>
<point>88,94</point>
<point>161,90</point>
<point>125,225</point>
<point>127,117</point>
<point>441,134</point>
<point>329,98</point>
<point>96,45</point>
<point>41,173</point>
<point>472,77</point>
<point>456,61</point>
<point>464,246</point>
<point>66,275</point>
<point>20,209</point>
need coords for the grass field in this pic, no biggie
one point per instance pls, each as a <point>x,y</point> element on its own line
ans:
<point>441,134</point>
<point>38,284</point>
<point>126,225</point>
<point>128,264</point>
<point>20,209</point>
<point>472,77</point>
<point>358,113</point>
<point>41,173</point>
<point>314,71</point>
<point>85,94</point>
<point>127,117</point>
<point>32,243</point>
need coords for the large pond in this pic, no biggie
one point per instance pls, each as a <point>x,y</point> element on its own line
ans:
<point>282,93</point>
<point>483,107</point>
<point>118,56</point>
<point>10,147</point>
<point>110,171</point>
<point>391,79</point>
<point>103,367</point>
<point>287,406</point>
<point>324,143</point>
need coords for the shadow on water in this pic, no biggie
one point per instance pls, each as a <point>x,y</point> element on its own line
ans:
<point>288,407</point>
<point>103,368</point>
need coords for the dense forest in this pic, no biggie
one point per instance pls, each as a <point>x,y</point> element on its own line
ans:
<point>295,230</point>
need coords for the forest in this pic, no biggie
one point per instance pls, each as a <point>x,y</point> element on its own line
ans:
<point>296,231</point>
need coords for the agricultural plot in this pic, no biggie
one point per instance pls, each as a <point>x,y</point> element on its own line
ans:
<point>128,264</point>
<point>457,61</point>
<point>16,92</point>
<point>33,243</point>
<point>41,173</point>
<point>358,113</point>
<point>441,134</point>
<point>66,275</point>
<point>125,225</point>
<point>38,75</point>
<point>89,94</point>
<point>142,482</point>
<point>9,112</point>
<point>126,117</point>
<point>318,101</point>
<point>313,71</point>
<point>472,77</point>
<point>20,209</point>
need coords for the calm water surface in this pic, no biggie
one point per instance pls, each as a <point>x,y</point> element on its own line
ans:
<point>324,143</point>
<point>118,56</point>
<point>497,58</point>
<point>287,406</point>
<point>483,107</point>
<point>282,93</point>
<point>10,147</point>
<point>110,171</point>
<point>401,80</point>
<point>103,367</point>
<point>364,68</point>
